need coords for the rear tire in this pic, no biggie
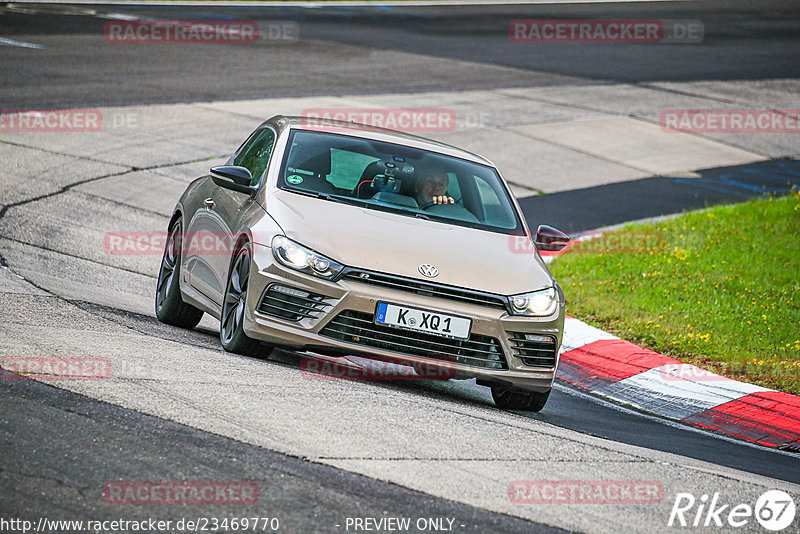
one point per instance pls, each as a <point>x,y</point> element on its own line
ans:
<point>231,323</point>
<point>170,307</point>
<point>519,400</point>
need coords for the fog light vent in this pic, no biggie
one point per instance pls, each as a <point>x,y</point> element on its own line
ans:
<point>535,350</point>
<point>291,303</point>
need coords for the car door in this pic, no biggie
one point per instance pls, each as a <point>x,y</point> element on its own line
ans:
<point>214,227</point>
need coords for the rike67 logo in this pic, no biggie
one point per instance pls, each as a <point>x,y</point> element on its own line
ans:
<point>774,510</point>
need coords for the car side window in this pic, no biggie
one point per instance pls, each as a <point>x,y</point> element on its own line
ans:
<point>497,212</point>
<point>453,187</point>
<point>254,155</point>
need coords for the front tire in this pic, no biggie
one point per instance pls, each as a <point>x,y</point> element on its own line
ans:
<point>170,308</point>
<point>519,400</point>
<point>231,324</point>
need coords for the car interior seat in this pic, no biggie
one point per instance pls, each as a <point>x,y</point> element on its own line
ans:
<point>313,164</point>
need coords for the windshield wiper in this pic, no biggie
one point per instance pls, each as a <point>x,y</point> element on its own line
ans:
<point>316,194</point>
<point>328,196</point>
<point>422,216</point>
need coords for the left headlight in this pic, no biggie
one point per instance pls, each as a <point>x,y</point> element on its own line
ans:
<point>537,303</point>
<point>296,256</point>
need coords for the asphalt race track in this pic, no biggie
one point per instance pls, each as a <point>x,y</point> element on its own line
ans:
<point>573,127</point>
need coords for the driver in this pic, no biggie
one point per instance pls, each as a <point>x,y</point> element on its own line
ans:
<point>431,188</point>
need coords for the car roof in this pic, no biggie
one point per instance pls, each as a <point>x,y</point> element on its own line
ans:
<point>283,122</point>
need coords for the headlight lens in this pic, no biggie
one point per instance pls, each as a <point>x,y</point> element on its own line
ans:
<point>538,303</point>
<point>300,258</point>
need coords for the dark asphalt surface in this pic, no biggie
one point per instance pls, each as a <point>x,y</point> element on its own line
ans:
<point>575,411</point>
<point>605,205</point>
<point>346,50</point>
<point>58,448</point>
<point>352,50</point>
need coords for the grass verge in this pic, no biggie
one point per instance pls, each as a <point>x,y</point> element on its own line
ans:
<point>719,288</point>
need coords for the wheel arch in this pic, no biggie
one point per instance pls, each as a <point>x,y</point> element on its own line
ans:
<point>176,215</point>
<point>242,237</point>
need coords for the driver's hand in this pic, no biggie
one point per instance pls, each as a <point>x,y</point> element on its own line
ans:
<point>443,200</point>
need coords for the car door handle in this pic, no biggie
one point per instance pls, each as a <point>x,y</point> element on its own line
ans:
<point>209,202</point>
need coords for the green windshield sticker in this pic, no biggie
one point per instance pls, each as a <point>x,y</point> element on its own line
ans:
<point>294,179</point>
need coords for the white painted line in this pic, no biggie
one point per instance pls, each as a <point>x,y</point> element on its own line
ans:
<point>118,16</point>
<point>577,334</point>
<point>21,44</point>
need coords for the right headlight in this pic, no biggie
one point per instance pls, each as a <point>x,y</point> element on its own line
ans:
<point>537,303</point>
<point>296,256</point>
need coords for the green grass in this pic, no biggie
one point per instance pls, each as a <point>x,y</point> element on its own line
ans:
<point>719,288</point>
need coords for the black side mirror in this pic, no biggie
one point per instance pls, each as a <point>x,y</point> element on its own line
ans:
<point>234,178</point>
<point>550,239</point>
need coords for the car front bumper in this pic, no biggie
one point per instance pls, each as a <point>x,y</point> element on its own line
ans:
<point>361,299</point>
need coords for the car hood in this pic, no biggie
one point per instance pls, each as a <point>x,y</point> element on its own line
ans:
<point>398,244</point>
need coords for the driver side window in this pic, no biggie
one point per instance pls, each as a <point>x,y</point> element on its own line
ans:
<point>254,155</point>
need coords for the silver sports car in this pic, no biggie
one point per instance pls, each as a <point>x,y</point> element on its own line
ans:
<point>341,239</point>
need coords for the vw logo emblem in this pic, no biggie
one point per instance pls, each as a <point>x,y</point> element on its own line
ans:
<point>426,269</point>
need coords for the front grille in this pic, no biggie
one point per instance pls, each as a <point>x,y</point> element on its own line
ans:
<point>290,303</point>
<point>358,327</point>
<point>428,289</point>
<point>534,349</point>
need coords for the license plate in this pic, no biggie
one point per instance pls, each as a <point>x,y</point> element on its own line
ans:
<point>423,321</point>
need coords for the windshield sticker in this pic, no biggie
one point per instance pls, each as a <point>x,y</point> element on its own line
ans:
<point>294,179</point>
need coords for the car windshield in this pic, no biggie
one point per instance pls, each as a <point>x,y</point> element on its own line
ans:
<point>397,178</point>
